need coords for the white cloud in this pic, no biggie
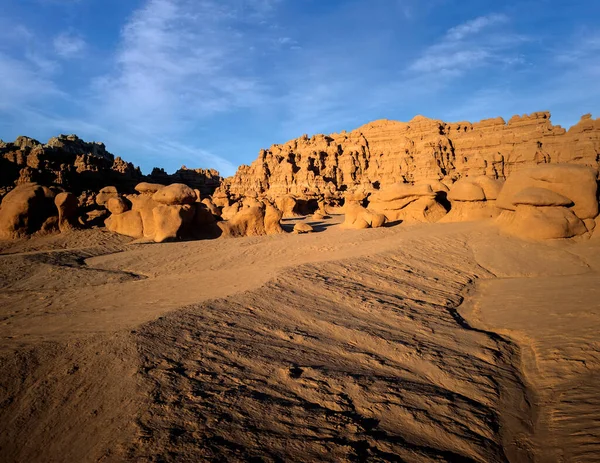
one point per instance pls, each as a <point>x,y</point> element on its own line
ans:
<point>178,60</point>
<point>470,45</point>
<point>68,45</point>
<point>475,26</point>
<point>22,81</point>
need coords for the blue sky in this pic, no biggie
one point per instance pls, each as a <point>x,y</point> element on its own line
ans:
<point>207,83</point>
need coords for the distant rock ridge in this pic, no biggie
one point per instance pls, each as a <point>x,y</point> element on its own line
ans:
<point>423,150</point>
<point>77,166</point>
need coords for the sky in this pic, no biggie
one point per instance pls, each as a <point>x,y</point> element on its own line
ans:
<point>208,83</point>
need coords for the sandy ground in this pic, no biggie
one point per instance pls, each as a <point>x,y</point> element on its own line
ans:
<point>443,342</point>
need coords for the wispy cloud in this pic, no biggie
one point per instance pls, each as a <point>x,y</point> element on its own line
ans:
<point>68,45</point>
<point>475,26</point>
<point>472,44</point>
<point>22,81</point>
<point>180,59</point>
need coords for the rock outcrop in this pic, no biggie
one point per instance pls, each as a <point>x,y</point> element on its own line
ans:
<point>549,202</point>
<point>27,209</point>
<point>473,198</point>
<point>408,203</point>
<point>423,150</point>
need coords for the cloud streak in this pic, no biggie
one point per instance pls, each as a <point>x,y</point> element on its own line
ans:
<point>470,45</point>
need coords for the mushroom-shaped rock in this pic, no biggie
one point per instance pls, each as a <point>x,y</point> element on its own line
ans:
<point>356,216</point>
<point>148,188</point>
<point>175,194</point>
<point>403,201</point>
<point>172,221</point>
<point>117,205</point>
<point>541,223</point>
<point>105,194</point>
<point>128,223</point>
<point>302,227</point>
<point>24,209</point>
<point>578,183</point>
<point>491,186</point>
<point>541,197</point>
<point>465,190</point>
<point>66,204</point>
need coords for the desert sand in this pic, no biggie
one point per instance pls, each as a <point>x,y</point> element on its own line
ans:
<point>424,342</point>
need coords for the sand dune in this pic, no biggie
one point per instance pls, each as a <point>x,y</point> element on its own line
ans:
<point>441,342</point>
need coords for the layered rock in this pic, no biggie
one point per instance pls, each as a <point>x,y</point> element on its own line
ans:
<point>423,150</point>
<point>66,162</point>
<point>473,198</point>
<point>549,202</point>
<point>408,203</point>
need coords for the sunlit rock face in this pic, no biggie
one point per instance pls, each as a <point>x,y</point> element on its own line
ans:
<point>420,151</point>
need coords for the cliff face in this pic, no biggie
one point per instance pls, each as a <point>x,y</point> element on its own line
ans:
<point>386,152</point>
<point>76,166</point>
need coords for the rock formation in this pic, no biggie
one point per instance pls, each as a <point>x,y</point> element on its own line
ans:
<point>549,202</point>
<point>423,150</point>
<point>408,203</point>
<point>69,164</point>
<point>66,162</point>
<point>473,198</point>
<point>159,213</point>
<point>27,209</point>
<point>204,180</point>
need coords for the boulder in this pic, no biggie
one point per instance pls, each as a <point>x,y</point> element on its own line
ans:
<point>148,188</point>
<point>541,197</point>
<point>302,227</point>
<point>466,190</point>
<point>470,211</point>
<point>128,223</point>
<point>541,223</point>
<point>272,220</point>
<point>406,202</point>
<point>117,205</point>
<point>288,205</point>
<point>357,216</point>
<point>24,210</point>
<point>172,221</point>
<point>175,194</point>
<point>105,194</point>
<point>66,204</point>
<point>144,205</point>
<point>249,221</point>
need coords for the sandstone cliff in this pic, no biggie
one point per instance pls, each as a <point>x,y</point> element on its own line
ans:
<point>386,152</point>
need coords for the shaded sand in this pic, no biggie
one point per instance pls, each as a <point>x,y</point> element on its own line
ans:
<point>343,345</point>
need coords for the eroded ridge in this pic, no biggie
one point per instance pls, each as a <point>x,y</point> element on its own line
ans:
<point>354,360</point>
